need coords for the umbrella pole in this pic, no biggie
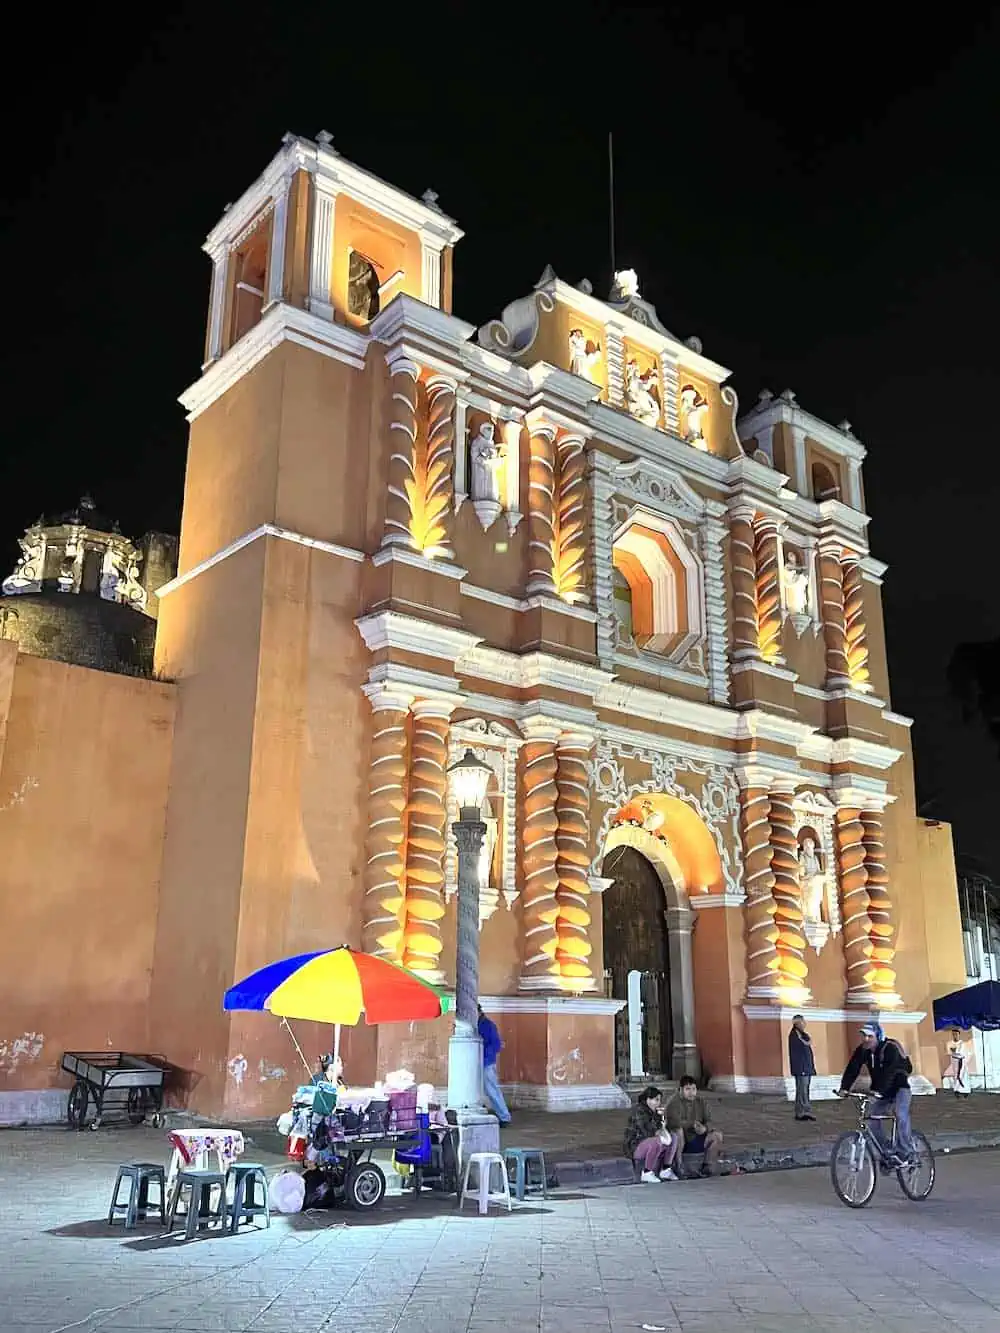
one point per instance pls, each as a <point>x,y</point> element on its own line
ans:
<point>288,1028</point>
<point>336,1041</point>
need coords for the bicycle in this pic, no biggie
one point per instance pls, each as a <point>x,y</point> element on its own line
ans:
<point>857,1156</point>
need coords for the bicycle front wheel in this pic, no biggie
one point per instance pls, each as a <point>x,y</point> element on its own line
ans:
<point>916,1180</point>
<point>852,1170</point>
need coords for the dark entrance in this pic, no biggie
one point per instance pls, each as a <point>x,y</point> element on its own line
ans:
<point>635,939</point>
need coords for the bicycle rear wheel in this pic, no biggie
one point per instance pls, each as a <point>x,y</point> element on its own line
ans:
<point>916,1180</point>
<point>852,1170</point>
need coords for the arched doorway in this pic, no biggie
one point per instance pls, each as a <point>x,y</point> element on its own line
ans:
<point>635,942</point>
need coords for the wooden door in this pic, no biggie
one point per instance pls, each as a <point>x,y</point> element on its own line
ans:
<point>635,939</point>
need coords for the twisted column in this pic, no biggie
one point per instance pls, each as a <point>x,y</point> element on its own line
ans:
<point>402,451</point>
<point>541,877</point>
<point>762,933</point>
<point>572,927</point>
<point>768,588</point>
<point>881,976</point>
<point>469,838</point>
<point>431,494</point>
<point>831,596</point>
<point>855,628</point>
<point>385,882</point>
<point>570,543</point>
<point>426,814</point>
<point>743,558</point>
<point>541,511</point>
<point>791,943</point>
<point>854,900</point>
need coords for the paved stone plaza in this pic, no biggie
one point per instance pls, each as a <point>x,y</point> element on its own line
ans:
<point>765,1253</point>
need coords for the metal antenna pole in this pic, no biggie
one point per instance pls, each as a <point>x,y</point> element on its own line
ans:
<point>611,200</point>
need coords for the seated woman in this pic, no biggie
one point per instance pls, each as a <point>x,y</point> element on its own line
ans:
<point>646,1140</point>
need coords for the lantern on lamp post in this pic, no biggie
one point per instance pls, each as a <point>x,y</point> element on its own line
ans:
<point>469,778</point>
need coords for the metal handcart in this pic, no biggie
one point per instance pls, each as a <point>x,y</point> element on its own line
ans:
<point>113,1081</point>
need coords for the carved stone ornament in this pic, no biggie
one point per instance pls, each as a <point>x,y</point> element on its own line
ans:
<point>517,328</point>
<point>582,354</point>
<point>640,394</point>
<point>717,803</point>
<point>27,574</point>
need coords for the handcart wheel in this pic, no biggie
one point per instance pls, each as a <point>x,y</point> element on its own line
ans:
<point>136,1106</point>
<point>364,1186</point>
<point>76,1107</point>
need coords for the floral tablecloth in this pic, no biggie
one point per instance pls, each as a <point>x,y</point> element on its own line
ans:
<point>196,1145</point>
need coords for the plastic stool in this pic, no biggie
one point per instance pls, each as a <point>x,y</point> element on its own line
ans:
<point>484,1163</point>
<point>245,1205</point>
<point>136,1206</point>
<point>200,1212</point>
<point>522,1158</point>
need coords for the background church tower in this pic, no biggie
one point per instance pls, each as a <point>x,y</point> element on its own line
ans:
<point>284,493</point>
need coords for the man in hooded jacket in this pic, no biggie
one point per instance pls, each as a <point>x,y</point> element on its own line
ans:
<point>889,1068</point>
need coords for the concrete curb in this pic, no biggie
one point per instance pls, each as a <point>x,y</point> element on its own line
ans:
<point>597,1172</point>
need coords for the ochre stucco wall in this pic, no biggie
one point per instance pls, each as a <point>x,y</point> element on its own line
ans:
<point>83,779</point>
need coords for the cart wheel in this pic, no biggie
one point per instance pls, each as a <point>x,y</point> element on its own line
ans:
<point>136,1106</point>
<point>364,1186</point>
<point>76,1108</point>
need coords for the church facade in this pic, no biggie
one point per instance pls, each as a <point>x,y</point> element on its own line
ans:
<point>556,540</point>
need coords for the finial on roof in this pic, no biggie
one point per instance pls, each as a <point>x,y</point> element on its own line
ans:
<point>228,207</point>
<point>765,396</point>
<point>288,137</point>
<point>325,138</point>
<point>694,342</point>
<point>585,286</point>
<point>430,198</point>
<point>548,275</point>
<point>845,426</point>
<point>787,396</point>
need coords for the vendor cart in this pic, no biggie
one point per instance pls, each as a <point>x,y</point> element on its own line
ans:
<point>340,1146</point>
<point>113,1081</point>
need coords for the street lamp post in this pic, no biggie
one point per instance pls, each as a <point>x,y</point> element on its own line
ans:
<point>480,1131</point>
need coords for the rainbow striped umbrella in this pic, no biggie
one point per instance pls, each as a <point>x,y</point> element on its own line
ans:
<point>337,986</point>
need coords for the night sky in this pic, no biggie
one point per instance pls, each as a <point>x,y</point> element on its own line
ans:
<point>815,198</point>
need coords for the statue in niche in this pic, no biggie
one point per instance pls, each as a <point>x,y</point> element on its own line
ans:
<point>811,880</point>
<point>639,397</point>
<point>695,410</point>
<point>28,570</point>
<point>362,287</point>
<point>486,457</point>
<point>795,585</point>
<point>67,570</point>
<point>582,355</point>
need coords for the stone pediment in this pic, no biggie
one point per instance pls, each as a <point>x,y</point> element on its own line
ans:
<point>625,299</point>
<point>665,487</point>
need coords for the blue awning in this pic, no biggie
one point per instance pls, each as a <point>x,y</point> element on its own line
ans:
<point>974,1007</point>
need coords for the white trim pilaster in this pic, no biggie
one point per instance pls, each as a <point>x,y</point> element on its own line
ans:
<point>324,202</point>
<point>276,259</point>
<point>220,270</point>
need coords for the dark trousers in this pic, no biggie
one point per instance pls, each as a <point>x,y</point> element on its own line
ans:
<point>803,1106</point>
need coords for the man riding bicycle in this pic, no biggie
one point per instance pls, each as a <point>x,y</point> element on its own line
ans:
<point>889,1068</point>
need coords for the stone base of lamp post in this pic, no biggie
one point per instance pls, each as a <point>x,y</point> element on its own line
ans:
<point>478,1129</point>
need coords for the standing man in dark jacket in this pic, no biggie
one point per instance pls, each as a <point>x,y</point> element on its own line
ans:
<point>802,1066</point>
<point>889,1068</point>
<point>492,1046</point>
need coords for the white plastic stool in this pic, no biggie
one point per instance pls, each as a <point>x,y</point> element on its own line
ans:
<point>485,1162</point>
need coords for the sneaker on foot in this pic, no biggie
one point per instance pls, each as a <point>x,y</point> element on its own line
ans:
<point>667,1174</point>
<point>649,1178</point>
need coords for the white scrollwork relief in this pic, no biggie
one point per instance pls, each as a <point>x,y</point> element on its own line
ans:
<point>717,804</point>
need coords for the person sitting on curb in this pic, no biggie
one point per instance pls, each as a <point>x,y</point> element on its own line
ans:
<point>647,1143</point>
<point>688,1115</point>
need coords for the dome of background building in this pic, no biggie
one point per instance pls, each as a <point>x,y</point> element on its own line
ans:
<point>84,593</point>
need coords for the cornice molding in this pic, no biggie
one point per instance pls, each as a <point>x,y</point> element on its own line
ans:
<point>389,629</point>
<point>282,323</point>
<point>264,530</point>
<point>552,1004</point>
<point>759,1013</point>
<point>404,556</point>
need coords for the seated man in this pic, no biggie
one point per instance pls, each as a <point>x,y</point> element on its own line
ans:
<point>889,1068</point>
<point>688,1112</point>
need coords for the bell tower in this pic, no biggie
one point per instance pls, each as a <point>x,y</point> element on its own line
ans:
<point>285,486</point>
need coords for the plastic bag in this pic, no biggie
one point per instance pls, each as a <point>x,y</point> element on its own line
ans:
<point>285,1123</point>
<point>287,1192</point>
